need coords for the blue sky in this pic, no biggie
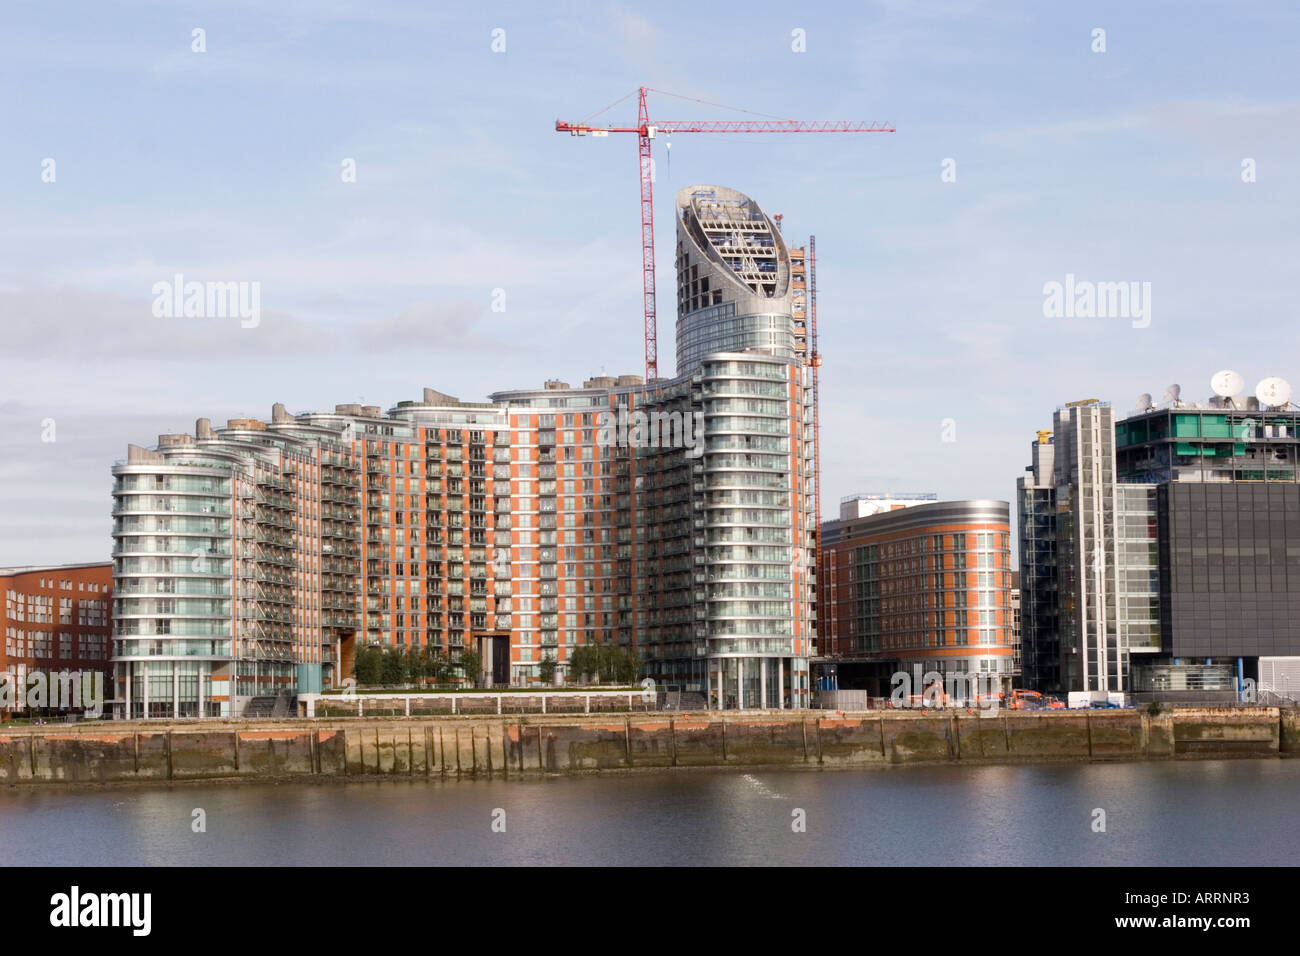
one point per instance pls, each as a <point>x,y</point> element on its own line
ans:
<point>225,165</point>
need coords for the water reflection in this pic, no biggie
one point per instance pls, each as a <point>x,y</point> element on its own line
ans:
<point>1193,813</point>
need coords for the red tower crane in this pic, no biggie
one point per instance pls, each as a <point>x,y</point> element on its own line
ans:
<point>646,131</point>
<point>815,360</point>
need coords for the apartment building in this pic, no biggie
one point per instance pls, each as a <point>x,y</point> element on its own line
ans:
<point>56,618</point>
<point>923,586</point>
<point>672,518</point>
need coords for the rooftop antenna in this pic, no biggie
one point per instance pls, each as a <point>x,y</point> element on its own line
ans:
<point>1144,403</point>
<point>1172,394</point>
<point>1227,384</point>
<point>1274,392</point>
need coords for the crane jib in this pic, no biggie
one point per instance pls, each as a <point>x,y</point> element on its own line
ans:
<point>646,131</point>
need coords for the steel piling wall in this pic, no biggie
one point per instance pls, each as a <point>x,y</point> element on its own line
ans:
<point>512,746</point>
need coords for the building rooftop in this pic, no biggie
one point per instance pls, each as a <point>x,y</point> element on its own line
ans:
<point>31,568</point>
<point>919,515</point>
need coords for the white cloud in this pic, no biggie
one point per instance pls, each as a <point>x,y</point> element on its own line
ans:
<point>72,323</point>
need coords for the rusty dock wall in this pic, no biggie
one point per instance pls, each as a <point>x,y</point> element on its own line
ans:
<point>160,751</point>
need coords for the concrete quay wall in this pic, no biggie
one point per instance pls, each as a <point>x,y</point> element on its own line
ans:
<point>104,752</point>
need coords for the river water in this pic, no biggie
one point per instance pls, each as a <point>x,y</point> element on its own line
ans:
<point>1238,812</point>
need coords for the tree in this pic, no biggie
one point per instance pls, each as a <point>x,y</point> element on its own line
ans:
<point>366,665</point>
<point>604,662</point>
<point>627,666</point>
<point>584,662</point>
<point>440,667</point>
<point>546,670</point>
<point>418,664</point>
<point>470,665</point>
<point>415,658</point>
<point>392,670</point>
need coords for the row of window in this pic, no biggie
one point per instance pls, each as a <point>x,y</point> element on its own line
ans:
<point>62,585</point>
<point>48,645</point>
<point>981,636</point>
<point>926,544</point>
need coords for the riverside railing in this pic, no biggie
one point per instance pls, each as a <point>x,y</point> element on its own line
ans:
<point>475,703</point>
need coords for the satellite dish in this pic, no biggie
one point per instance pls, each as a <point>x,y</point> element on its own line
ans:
<point>1143,403</point>
<point>1172,393</point>
<point>1273,392</point>
<point>1227,383</point>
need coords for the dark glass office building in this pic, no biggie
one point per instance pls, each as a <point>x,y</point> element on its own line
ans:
<point>1197,588</point>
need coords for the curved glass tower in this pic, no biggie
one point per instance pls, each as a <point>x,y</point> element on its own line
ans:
<point>172,555</point>
<point>734,286</point>
<point>741,347</point>
<point>756,560</point>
